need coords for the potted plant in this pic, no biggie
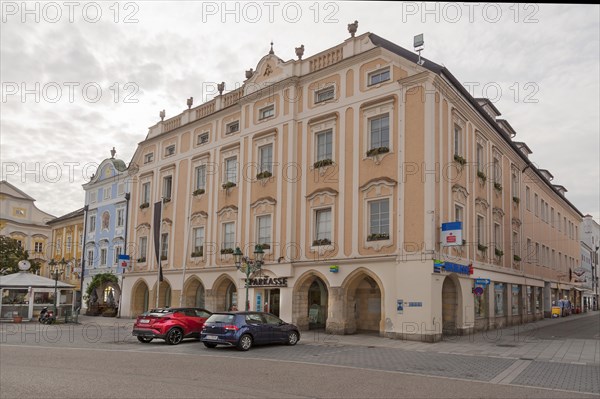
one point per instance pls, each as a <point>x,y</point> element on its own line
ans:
<point>264,175</point>
<point>323,241</point>
<point>482,247</point>
<point>226,251</point>
<point>498,186</point>
<point>498,252</point>
<point>377,151</point>
<point>481,176</point>
<point>17,318</point>
<point>144,205</point>
<point>516,200</point>
<point>142,259</point>
<point>198,191</point>
<point>460,160</point>
<point>322,162</point>
<point>198,253</point>
<point>516,258</point>
<point>378,237</point>
<point>228,185</point>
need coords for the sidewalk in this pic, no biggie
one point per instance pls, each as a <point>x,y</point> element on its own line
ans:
<point>517,342</point>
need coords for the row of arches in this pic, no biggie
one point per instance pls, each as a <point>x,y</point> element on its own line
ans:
<point>356,305</point>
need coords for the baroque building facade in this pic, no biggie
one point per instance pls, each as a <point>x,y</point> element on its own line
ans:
<point>344,166</point>
<point>21,220</point>
<point>105,235</point>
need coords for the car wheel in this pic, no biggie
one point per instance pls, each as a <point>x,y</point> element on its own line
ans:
<point>245,342</point>
<point>210,345</point>
<point>145,340</point>
<point>174,336</point>
<point>292,338</point>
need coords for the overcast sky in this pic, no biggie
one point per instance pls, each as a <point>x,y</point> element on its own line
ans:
<point>539,64</point>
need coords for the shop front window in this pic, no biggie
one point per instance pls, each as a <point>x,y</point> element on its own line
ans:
<point>481,302</point>
<point>499,302</point>
<point>516,293</point>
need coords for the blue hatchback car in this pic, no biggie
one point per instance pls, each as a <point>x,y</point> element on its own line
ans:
<point>245,329</point>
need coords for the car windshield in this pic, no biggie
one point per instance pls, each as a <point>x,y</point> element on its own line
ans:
<point>221,318</point>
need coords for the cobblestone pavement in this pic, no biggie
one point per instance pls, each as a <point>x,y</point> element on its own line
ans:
<point>537,355</point>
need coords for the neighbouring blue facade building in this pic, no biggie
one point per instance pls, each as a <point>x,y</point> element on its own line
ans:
<point>106,203</point>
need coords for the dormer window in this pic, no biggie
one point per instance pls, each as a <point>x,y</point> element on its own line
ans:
<point>170,150</point>
<point>324,94</point>
<point>266,112</point>
<point>379,76</point>
<point>232,127</point>
<point>202,138</point>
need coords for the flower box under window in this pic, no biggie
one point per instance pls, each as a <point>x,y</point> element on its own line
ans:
<point>323,241</point>
<point>460,160</point>
<point>144,205</point>
<point>265,246</point>
<point>378,237</point>
<point>228,185</point>
<point>164,257</point>
<point>516,200</point>
<point>516,258</point>
<point>482,247</point>
<point>498,186</point>
<point>226,251</point>
<point>198,253</point>
<point>482,176</point>
<point>377,151</point>
<point>498,252</point>
<point>142,260</point>
<point>264,175</point>
<point>166,200</point>
<point>199,191</point>
<point>323,162</point>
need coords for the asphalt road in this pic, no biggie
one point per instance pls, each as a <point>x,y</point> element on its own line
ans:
<point>35,372</point>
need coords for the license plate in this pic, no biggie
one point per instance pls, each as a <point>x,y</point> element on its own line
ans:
<point>144,321</point>
<point>213,337</point>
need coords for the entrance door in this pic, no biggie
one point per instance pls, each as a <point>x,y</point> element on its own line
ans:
<point>449,306</point>
<point>317,305</point>
<point>272,301</point>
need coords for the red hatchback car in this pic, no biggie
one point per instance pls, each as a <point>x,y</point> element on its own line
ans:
<point>170,324</point>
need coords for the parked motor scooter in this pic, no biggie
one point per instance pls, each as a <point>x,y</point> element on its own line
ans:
<point>46,316</point>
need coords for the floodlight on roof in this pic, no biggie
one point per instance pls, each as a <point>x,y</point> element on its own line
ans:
<point>419,43</point>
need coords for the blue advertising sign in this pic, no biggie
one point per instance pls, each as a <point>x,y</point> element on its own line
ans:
<point>451,234</point>
<point>482,281</point>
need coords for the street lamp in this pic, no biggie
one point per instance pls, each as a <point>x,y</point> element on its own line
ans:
<point>57,269</point>
<point>247,265</point>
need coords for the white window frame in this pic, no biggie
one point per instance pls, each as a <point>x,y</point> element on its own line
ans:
<point>164,242</point>
<point>370,131</point>
<point>167,186</point>
<point>325,94</point>
<point>149,157</point>
<point>145,197</point>
<point>230,173</point>
<point>38,247</point>
<point>498,236</point>
<point>93,196</point>
<point>198,244</point>
<point>229,127</point>
<point>90,257</point>
<point>317,234</point>
<point>120,217</point>
<point>143,247</point>
<point>321,157</point>
<point>265,165</point>
<point>103,256</point>
<point>528,198</point>
<point>200,177</point>
<point>203,138</point>
<point>379,73</point>
<point>480,230</point>
<point>458,141</point>
<point>69,243</point>
<point>228,235</point>
<point>107,192</point>
<point>170,150</point>
<point>117,250</point>
<point>370,216</point>
<point>266,112</point>
<point>92,224</point>
<point>260,238</point>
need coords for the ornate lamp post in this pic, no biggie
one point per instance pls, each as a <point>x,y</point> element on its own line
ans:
<point>247,265</point>
<point>57,270</point>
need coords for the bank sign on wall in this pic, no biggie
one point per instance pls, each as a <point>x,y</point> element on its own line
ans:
<point>451,234</point>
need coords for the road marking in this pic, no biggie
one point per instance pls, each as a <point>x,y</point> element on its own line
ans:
<point>508,375</point>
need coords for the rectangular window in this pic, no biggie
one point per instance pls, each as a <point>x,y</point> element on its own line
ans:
<point>103,254</point>
<point>93,197</point>
<point>497,237</point>
<point>199,241</point>
<point>552,217</point>
<point>99,195</point>
<point>323,225</point>
<point>120,217</point>
<point>231,170</point>
<point>553,259</point>
<point>167,186</point>
<point>90,257</point>
<point>120,188</point>
<point>38,247</point>
<point>202,138</point>
<point>459,213</point>
<point>499,299</point>
<point>559,222</point>
<point>457,141</point>
<point>69,243</point>
<point>324,145</point>
<point>528,198</point>
<point>480,158</point>
<point>228,235</point>
<point>529,250</point>
<point>379,219</point>
<point>106,193</point>
<point>263,226</point>
<point>164,243</point>
<point>516,299</point>
<point>266,112</point>
<point>149,157</point>
<point>379,131</point>
<point>146,193</point>
<point>565,224</point>
<point>515,241</point>
<point>379,76</point>
<point>480,230</point>
<point>143,247</point>
<point>232,127</point>
<point>324,94</point>
<point>536,204</point>
<point>200,173</point>
<point>497,171</point>
<point>58,245</point>
<point>92,224</point>
<point>170,150</point>
<point>117,251</point>
<point>537,253</point>
<point>265,158</point>
<point>515,184</point>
